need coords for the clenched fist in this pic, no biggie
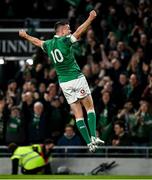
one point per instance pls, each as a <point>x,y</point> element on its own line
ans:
<point>93,14</point>
<point>22,33</point>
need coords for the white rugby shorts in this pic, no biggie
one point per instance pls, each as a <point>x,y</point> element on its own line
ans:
<point>75,89</point>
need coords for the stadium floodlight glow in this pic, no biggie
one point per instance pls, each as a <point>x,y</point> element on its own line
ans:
<point>29,61</point>
<point>21,63</point>
<point>2,61</point>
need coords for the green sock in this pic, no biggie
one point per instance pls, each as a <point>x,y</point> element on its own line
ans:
<point>92,122</point>
<point>83,130</point>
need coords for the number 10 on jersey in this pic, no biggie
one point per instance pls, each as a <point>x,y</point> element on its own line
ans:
<point>57,56</point>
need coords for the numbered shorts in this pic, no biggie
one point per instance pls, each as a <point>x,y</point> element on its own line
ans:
<point>75,89</point>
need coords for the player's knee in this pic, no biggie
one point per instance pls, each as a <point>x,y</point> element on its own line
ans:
<point>79,118</point>
<point>88,103</point>
<point>78,113</point>
<point>89,106</point>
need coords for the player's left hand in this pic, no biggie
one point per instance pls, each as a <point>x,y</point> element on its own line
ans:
<point>22,33</point>
<point>93,14</point>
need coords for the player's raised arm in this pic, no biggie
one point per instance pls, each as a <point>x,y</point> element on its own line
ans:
<point>82,28</point>
<point>33,40</point>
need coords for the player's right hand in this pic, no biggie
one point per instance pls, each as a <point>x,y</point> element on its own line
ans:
<point>93,14</point>
<point>22,33</point>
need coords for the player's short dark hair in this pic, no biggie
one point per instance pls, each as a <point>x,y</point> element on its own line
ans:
<point>60,23</point>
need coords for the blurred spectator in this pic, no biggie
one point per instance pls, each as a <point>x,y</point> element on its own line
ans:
<point>133,90</point>
<point>14,132</point>
<point>146,46</point>
<point>133,39</point>
<point>12,94</point>
<point>147,93</point>
<point>142,125</point>
<point>57,114</point>
<point>3,119</point>
<point>119,90</point>
<point>41,90</point>
<point>87,72</point>
<point>111,43</point>
<point>133,66</point>
<point>92,42</point>
<point>70,138</point>
<point>127,115</point>
<point>37,124</point>
<point>124,53</point>
<point>107,112</point>
<point>115,71</point>
<point>39,72</point>
<point>27,109</point>
<point>123,80</point>
<point>120,138</point>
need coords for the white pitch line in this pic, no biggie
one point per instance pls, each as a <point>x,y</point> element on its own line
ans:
<point>79,179</point>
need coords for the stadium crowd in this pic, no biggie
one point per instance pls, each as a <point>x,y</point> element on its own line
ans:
<point>114,55</point>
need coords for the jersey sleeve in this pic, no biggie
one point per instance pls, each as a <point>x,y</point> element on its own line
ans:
<point>45,46</point>
<point>70,39</point>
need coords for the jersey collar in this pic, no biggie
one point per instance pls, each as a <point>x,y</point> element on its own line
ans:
<point>56,36</point>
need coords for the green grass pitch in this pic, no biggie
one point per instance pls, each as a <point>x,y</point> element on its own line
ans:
<point>74,177</point>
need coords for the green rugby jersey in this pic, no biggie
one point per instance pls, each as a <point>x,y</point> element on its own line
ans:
<point>59,49</point>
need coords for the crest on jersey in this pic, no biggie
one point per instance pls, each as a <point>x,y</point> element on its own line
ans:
<point>82,91</point>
